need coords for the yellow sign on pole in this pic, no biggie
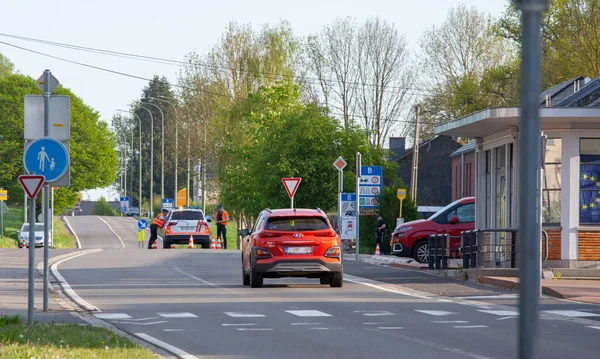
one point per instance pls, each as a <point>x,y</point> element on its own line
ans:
<point>3,195</point>
<point>181,199</point>
<point>401,196</point>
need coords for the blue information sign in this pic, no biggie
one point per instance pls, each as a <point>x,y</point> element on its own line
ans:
<point>47,157</point>
<point>167,203</point>
<point>142,224</point>
<point>370,186</point>
<point>348,204</point>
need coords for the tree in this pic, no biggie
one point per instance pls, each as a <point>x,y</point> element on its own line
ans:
<point>6,67</point>
<point>570,32</point>
<point>102,208</point>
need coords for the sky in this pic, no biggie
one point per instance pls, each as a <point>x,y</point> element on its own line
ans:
<point>172,29</point>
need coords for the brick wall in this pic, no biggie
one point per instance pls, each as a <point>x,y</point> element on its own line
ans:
<point>589,245</point>
<point>553,244</point>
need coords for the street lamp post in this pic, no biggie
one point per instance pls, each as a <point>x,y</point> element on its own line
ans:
<point>151,159</point>
<point>176,144</point>
<point>140,160</point>
<point>162,175</point>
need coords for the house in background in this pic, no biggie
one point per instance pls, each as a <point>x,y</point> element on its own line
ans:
<point>463,171</point>
<point>434,175</point>
<point>570,118</point>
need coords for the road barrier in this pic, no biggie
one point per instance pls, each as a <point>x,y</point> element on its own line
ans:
<point>438,247</point>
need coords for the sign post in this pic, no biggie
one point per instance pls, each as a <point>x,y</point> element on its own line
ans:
<point>31,185</point>
<point>291,185</point>
<point>358,178</point>
<point>124,204</point>
<point>340,164</point>
<point>3,197</point>
<point>142,224</point>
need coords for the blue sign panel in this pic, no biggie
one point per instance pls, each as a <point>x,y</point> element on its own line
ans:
<point>348,203</point>
<point>370,186</point>
<point>142,224</point>
<point>167,203</point>
<point>124,204</point>
<point>48,157</point>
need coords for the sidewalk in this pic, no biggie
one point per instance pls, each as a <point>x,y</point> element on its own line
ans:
<point>581,290</point>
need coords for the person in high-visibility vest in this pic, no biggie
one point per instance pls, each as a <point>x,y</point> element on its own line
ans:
<point>159,222</point>
<point>222,217</point>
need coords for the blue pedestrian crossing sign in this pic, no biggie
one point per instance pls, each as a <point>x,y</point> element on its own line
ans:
<point>142,224</point>
<point>46,156</point>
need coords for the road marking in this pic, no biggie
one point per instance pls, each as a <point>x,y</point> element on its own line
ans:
<point>308,313</point>
<point>510,317</point>
<point>593,327</point>
<point>244,315</point>
<point>359,280</point>
<point>450,321</point>
<point>239,325</point>
<point>166,346</point>
<point>178,315</point>
<point>305,324</point>
<point>113,316</point>
<point>372,323</point>
<point>374,313</point>
<point>177,269</point>
<point>572,313</point>
<point>390,328</point>
<point>72,231</point>
<point>504,313</point>
<point>174,330</point>
<point>469,326</point>
<point>500,296</point>
<point>435,312</point>
<point>67,288</point>
<point>139,319</point>
<point>136,323</point>
<point>253,329</point>
<point>112,230</point>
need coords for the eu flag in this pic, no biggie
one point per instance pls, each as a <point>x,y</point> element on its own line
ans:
<point>589,190</point>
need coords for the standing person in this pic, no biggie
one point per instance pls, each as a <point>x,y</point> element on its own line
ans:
<point>380,233</point>
<point>159,222</point>
<point>222,217</point>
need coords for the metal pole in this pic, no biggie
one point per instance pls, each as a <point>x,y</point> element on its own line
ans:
<point>204,170</point>
<point>140,159</point>
<point>529,155</point>
<point>31,282</point>
<point>150,211</point>
<point>25,203</point>
<point>358,167</point>
<point>176,161</point>
<point>162,180</point>
<point>46,200</point>
<point>415,159</point>
<point>2,216</point>
<point>339,199</point>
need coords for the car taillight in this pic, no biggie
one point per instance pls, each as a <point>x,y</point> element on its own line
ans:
<point>268,234</point>
<point>325,234</point>
<point>263,253</point>
<point>333,252</point>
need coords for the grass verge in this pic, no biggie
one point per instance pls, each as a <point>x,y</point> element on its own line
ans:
<point>64,341</point>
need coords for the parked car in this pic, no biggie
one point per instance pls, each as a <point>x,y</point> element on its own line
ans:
<point>411,238</point>
<point>23,235</point>
<point>183,223</point>
<point>291,243</point>
<point>133,212</point>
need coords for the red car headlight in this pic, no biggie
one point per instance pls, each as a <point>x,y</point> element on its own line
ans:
<point>334,252</point>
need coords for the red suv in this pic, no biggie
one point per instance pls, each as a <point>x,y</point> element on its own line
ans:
<point>291,243</point>
<point>410,239</point>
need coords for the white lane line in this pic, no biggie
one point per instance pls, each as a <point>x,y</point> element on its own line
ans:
<point>174,330</point>
<point>308,313</point>
<point>149,323</point>
<point>510,317</point>
<point>305,324</point>
<point>178,315</point>
<point>450,321</point>
<point>178,270</point>
<point>73,231</point>
<point>372,323</point>
<point>112,316</point>
<point>112,230</point>
<point>253,329</point>
<point>593,327</point>
<point>358,280</point>
<point>500,296</point>
<point>572,313</point>
<point>503,313</point>
<point>239,325</point>
<point>244,315</point>
<point>67,288</point>
<point>137,320</point>
<point>374,313</point>
<point>166,346</point>
<point>438,313</point>
<point>469,326</point>
<point>390,328</point>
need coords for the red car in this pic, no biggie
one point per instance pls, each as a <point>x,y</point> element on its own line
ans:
<point>291,243</point>
<point>411,238</point>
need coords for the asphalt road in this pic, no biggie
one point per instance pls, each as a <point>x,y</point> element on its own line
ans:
<point>192,303</point>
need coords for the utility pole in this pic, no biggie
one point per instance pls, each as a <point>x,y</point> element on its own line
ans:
<point>415,159</point>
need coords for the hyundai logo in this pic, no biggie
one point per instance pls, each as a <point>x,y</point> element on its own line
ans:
<point>298,235</point>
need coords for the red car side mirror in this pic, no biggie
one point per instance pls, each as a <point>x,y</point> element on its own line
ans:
<point>454,220</point>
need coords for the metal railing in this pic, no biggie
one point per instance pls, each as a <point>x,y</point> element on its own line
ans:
<point>546,250</point>
<point>438,245</point>
<point>496,251</point>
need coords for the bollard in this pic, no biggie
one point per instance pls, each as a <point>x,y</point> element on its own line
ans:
<point>513,249</point>
<point>464,243</point>
<point>474,249</point>
<point>444,240</point>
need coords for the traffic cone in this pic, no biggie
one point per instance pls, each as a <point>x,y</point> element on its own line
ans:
<point>191,242</point>
<point>377,253</point>
<point>212,243</point>
<point>219,243</point>
<point>154,245</point>
<point>173,245</point>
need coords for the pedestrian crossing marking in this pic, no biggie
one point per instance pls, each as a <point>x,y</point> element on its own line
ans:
<point>435,312</point>
<point>308,313</point>
<point>502,313</point>
<point>112,316</point>
<point>572,313</point>
<point>178,315</point>
<point>244,315</point>
<point>469,326</point>
<point>374,313</point>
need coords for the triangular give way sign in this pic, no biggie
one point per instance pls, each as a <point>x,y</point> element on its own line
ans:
<point>291,185</point>
<point>31,184</point>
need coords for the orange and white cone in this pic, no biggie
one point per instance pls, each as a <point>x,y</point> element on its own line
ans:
<point>191,242</point>
<point>219,243</point>
<point>173,245</point>
<point>213,245</point>
<point>377,252</point>
<point>154,245</point>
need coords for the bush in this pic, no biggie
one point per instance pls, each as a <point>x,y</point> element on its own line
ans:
<point>102,208</point>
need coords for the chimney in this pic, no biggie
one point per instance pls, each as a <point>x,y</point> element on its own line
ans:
<point>397,147</point>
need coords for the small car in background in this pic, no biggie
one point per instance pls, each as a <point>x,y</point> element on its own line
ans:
<point>410,239</point>
<point>291,243</point>
<point>183,223</point>
<point>133,212</point>
<point>23,235</point>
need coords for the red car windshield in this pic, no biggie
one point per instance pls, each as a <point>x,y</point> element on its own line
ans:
<point>294,224</point>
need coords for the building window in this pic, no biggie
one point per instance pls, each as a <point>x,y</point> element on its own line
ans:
<point>589,181</point>
<point>551,191</point>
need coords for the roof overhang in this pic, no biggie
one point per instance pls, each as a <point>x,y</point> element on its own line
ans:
<point>490,121</point>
